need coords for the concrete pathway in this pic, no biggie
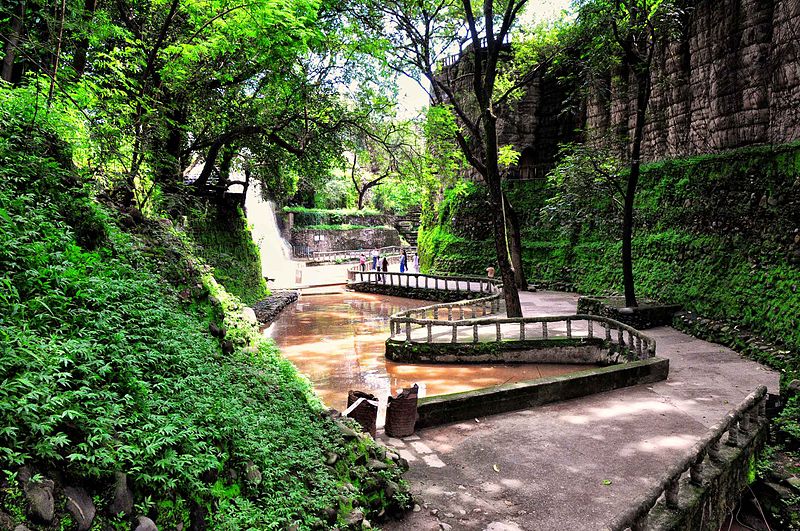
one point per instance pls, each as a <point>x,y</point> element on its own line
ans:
<point>573,465</point>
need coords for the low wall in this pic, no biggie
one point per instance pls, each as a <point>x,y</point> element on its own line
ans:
<point>707,506</point>
<point>646,315</point>
<point>455,407</point>
<point>306,241</point>
<point>556,350</point>
<point>415,293</point>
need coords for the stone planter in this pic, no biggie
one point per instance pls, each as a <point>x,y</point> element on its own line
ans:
<point>648,314</point>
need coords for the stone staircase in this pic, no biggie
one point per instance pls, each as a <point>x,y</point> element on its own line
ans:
<point>408,225</point>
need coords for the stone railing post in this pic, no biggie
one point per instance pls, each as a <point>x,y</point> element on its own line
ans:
<point>569,328</point>
<point>455,333</point>
<point>544,329</point>
<point>671,493</point>
<point>408,331</point>
<point>522,331</point>
<point>474,333</point>
<point>430,333</point>
<point>497,327</point>
<point>696,470</point>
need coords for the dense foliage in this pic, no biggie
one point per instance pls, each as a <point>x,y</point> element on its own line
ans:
<point>716,233</point>
<point>223,240</point>
<point>108,365</point>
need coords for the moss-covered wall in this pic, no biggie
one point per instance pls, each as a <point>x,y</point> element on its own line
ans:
<point>718,234</point>
<point>224,240</point>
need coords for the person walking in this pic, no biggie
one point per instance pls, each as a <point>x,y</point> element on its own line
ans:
<point>362,262</point>
<point>403,261</point>
<point>375,255</point>
<point>385,264</point>
<point>415,263</point>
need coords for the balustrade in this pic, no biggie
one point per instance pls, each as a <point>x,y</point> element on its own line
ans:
<point>740,424</point>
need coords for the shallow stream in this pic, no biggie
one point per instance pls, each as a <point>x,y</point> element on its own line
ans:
<point>337,341</point>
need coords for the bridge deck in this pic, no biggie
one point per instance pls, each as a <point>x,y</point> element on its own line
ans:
<point>574,464</point>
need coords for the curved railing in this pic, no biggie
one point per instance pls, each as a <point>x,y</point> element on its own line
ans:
<point>628,341</point>
<point>739,424</point>
<point>456,284</point>
<point>350,254</point>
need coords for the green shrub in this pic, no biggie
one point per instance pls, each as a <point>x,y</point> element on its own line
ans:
<point>106,367</point>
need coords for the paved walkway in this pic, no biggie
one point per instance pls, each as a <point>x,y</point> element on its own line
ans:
<point>573,465</point>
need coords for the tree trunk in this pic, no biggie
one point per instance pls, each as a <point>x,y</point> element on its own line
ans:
<point>7,72</point>
<point>510,292</point>
<point>515,245</point>
<point>361,193</point>
<point>642,97</point>
<point>82,44</point>
<point>208,166</point>
<point>492,177</point>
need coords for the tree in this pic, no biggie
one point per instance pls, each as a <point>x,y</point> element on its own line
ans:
<point>425,35</point>
<point>382,150</point>
<point>626,33</point>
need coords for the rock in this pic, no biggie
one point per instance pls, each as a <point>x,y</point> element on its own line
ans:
<point>391,489</point>
<point>249,315</point>
<point>354,518</point>
<point>793,389</point>
<point>332,458</point>
<point>227,347</point>
<point>330,514</point>
<point>374,464</point>
<point>449,515</point>
<point>445,527</point>
<point>40,500</point>
<point>252,473</point>
<point>123,496</point>
<point>347,432</point>
<point>216,330</point>
<point>21,527</point>
<point>793,482</point>
<point>416,508</point>
<point>80,504</point>
<point>145,524</point>
<point>213,300</point>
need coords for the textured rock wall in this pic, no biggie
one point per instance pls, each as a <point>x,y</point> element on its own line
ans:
<point>731,79</point>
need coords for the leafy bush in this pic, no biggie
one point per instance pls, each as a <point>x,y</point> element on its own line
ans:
<point>106,368</point>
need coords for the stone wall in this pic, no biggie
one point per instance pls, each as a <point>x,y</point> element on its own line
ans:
<point>305,241</point>
<point>730,79</point>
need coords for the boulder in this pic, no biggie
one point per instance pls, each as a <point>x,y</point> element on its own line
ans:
<point>252,473</point>
<point>123,496</point>
<point>40,500</point>
<point>145,524</point>
<point>355,518</point>
<point>249,315</point>
<point>80,505</point>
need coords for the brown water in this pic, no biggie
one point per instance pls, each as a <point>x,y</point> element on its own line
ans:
<point>337,341</point>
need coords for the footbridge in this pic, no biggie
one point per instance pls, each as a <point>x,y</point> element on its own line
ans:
<point>673,453</point>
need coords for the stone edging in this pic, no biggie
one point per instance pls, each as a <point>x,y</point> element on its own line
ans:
<point>443,409</point>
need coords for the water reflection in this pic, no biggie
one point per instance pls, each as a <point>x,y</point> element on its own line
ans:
<point>338,342</point>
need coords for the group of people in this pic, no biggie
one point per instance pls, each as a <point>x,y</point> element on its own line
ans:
<point>379,264</point>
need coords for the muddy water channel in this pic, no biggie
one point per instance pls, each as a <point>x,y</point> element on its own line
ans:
<point>337,341</point>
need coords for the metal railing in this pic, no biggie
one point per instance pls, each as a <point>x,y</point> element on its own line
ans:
<point>628,341</point>
<point>740,424</point>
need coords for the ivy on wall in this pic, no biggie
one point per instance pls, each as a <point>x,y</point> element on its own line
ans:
<point>718,234</point>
